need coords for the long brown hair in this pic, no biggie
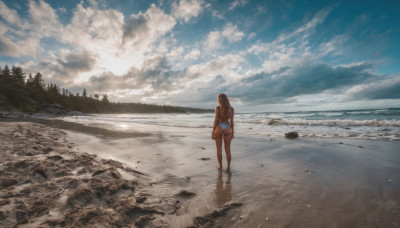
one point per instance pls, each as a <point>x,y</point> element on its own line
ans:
<point>226,110</point>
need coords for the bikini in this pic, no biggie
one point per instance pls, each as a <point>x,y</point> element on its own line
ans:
<point>224,125</point>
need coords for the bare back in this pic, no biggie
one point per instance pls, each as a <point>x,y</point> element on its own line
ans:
<point>219,116</point>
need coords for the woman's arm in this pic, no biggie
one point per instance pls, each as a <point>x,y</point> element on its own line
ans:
<point>232,123</point>
<point>215,122</point>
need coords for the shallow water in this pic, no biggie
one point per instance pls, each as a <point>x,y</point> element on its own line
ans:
<point>382,124</point>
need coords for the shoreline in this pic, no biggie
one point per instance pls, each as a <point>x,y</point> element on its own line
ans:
<point>306,182</point>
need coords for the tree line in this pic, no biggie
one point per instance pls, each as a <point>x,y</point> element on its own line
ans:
<point>28,93</point>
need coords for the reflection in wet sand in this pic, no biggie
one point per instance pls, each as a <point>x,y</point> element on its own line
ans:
<point>223,194</point>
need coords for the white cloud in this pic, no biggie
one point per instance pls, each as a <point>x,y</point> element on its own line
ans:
<point>306,28</point>
<point>8,48</point>
<point>237,3</point>
<point>143,29</point>
<point>44,18</point>
<point>226,65</point>
<point>230,33</point>
<point>187,9</point>
<point>192,55</point>
<point>334,46</point>
<point>251,35</point>
<point>21,37</point>
<point>11,16</point>
<point>299,35</point>
<point>293,48</point>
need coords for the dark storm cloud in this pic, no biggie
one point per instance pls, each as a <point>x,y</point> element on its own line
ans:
<point>301,80</point>
<point>389,89</point>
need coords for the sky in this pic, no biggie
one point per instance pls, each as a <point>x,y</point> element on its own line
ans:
<point>265,55</point>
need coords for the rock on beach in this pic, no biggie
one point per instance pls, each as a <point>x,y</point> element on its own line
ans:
<point>291,135</point>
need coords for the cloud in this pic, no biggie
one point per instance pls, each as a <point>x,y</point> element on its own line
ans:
<point>306,28</point>
<point>64,69</point>
<point>223,65</point>
<point>21,37</point>
<point>384,89</point>
<point>334,46</point>
<point>77,62</point>
<point>155,75</point>
<point>192,55</point>
<point>187,9</point>
<point>305,79</point>
<point>8,48</point>
<point>10,16</point>
<point>298,36</point>
<point>44,18</point>
<point>156,79</point>
<point>95,30</point>
<point>119,43</point>
<point>144,28</point>
<point>251,35</point>
<point>237,3</point>
<point>230,34</point>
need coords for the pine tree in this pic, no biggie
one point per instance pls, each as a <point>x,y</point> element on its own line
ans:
<point>105,99</point>
<point>6,73</point>
<point>18,75</point>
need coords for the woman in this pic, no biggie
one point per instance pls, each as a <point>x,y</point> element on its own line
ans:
<point>223,128</point>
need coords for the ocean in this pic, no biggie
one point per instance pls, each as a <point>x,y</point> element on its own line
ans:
<point>372,124</point>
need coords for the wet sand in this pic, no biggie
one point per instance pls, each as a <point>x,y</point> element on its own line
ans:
<point>274,182</point>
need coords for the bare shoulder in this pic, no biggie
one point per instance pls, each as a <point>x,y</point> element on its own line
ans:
<point>217,108</point>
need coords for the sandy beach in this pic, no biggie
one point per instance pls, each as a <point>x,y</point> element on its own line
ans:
<point>78,176</point>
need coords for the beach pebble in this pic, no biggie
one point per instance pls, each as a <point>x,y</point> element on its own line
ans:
<point>308,205</point>
<point>390,180</point>
<point>55,157</point>
<point>141,199</point>
<point>266,219</point>
<point>116,174</point>
<point>185,193</point>
<point>97,172</point>
<point>291,135</point>
<point>205,159</point>
<point>306,170</point>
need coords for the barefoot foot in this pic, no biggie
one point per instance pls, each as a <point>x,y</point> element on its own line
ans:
<point>228,169</point>
<point>219,167</point>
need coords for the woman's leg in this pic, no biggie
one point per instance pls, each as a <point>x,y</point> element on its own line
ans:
<point>218,141</point>
<point>227,144</point>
